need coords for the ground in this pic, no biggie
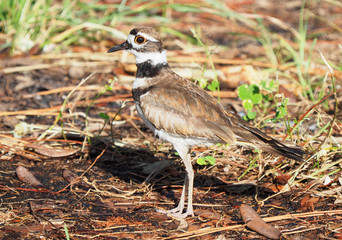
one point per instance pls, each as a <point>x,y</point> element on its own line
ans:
<point>91,169</point>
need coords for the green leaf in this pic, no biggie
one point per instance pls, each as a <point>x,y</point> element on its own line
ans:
<point>256,98</point>
<point>254,89</point>
<point>269,86</point>
<point>206,160</point>
<point>104,116</point>
<point>281,112</point>
<point>251,92</point>
<point>247,104</point>
<point>202,82</point>
<point>201,161</point>
<point>214,85</point>
<point>251,115</point>
<point>210,159</point>
<point>243,91</point>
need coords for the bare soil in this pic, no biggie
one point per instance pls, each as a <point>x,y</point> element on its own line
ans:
<point>127,174</point>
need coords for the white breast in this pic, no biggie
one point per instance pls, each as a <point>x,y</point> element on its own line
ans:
<point>140,82</point>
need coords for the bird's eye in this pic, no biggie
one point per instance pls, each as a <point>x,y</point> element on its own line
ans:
<point>139,40</point>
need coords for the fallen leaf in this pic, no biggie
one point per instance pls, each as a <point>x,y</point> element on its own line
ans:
<point>282,179</point>
<point>328,180</point>
<point>27,177</point>
<point>308,202</point>
<point>70,176</point>
<point>52,152</point>
<point>193,227</point>
<point>37,206</point>
<point>255,223</point>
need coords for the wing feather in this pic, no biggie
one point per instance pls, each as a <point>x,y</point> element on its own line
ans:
<point>184,110</point>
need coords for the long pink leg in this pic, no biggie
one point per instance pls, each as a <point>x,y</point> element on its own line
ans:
<point>190,178</point>
<point>188,184</point>
<point>180,207</point>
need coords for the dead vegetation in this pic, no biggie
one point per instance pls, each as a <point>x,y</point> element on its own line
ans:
<point>75,159</point>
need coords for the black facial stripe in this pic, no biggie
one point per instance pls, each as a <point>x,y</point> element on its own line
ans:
<point>146,69</point>
<point>134,32</point>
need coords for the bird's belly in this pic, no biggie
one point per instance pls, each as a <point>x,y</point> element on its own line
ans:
<point>184,140</point>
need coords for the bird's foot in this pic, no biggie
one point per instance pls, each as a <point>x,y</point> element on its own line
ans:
<point>176,213</point>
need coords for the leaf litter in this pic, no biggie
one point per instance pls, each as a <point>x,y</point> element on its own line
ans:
<point>105,179</point>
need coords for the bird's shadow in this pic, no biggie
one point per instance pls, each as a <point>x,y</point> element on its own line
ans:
<point>164,173</point>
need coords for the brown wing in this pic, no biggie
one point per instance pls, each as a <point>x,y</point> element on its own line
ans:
<point>185,109</point>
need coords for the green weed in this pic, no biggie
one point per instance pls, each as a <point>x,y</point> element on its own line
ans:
<point>262,97</point>
<point>250,96</point>
<point>252,164</point>
<point>66,232</point>
<point>207,160</point>
<point>23,22</point>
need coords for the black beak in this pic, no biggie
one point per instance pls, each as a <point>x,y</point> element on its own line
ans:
<point>123,46</point>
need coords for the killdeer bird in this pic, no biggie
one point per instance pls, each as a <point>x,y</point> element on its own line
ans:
<point>180,112</point>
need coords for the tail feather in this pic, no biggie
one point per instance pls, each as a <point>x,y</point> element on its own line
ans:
<point>283,149</point>
<point>249,134</point>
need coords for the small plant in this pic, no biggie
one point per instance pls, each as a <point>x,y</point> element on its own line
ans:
<point>281,106</point>
<point>263,95</point>
<point>104,116</point>
<point>250,96</point>
<point>252,164</point>
<point>207,160</point>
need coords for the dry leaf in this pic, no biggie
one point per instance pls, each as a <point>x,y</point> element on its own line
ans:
<point>52,152</point>
<point>282,179</point>
<point>255,223</point>
<point>27,177</point>
<point>308,202</point>
<point>70,176</point>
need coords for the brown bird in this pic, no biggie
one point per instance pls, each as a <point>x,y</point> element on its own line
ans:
<point>180,112</point>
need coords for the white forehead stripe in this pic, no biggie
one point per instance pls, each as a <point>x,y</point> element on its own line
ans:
<point>149,38</point>
<point>131,37</point>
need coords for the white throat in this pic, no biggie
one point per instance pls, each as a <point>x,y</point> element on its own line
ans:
<point>154,57</point>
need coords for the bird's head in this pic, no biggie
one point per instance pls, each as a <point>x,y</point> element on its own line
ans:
<point>145,44</point>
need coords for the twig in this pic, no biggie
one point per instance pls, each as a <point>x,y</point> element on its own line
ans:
<point>78,178</point>
<point>60,115</point>
<point>52,111</point>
